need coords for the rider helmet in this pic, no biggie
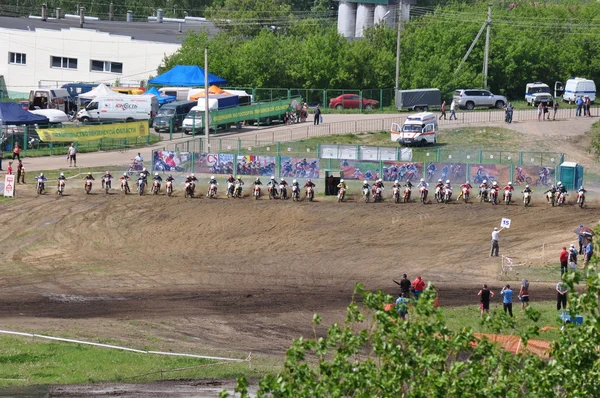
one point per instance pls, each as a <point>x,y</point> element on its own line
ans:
<point>308,180</point>
<point>170,176</point>
<point>239,178</point>
<point>342,180</point>
<point>41,174</point>
<point>447,181</point>
<point>396,182</point>
<point>107,172</point>
<point>230,175</point>
<point>212,177</point>
<point>485,181</point>
<point>294,181</point>
<point>144,169</point>
<point>192,175</point>
<point>560,184</point>
<point>407,181</point>
<point>125,174</point>
<point>272,177</point>
<point>440,180</point>
<point>468,182</point>
<point>422,180</point>
<point>526,186</point>
<point>380,180</point>
<point>282,179</point>
<point>63,174</point>
<point>553,186</point>
<point>156,174</point>
<point>581,187</point>
<point>495,183</point>
<point>365,182</point>
<point>510,183</point>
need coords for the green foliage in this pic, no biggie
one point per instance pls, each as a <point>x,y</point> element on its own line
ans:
<point>375,353</point>
<point>249,17</point>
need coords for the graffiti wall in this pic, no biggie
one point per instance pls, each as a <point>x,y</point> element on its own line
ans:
<point>355,170</point>
<point>402,171</point>
<point>213,163</point>
<point>455,172</point>
<point>490,172</point>
<point>534,175</point>
<point>256,165</point>
<point>165,161</point>
<point>299,167</point>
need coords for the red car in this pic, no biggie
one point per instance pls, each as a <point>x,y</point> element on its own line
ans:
<point>352,101</point>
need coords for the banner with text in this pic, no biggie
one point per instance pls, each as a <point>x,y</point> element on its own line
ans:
<point>96,132</point>
<point>250,112</point>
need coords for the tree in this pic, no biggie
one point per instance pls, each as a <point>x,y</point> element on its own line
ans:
<point>247,18</point>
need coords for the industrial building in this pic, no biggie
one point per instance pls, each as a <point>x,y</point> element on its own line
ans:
<point>355,16</point>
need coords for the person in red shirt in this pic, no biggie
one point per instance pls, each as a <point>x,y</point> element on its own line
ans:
<point>9,170</point>
<point>418,286</point>
<point>564,260</point>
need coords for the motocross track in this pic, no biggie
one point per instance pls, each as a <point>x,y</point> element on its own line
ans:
<point>233,276</point>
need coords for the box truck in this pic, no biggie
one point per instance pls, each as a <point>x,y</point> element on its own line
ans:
<point>420,99</point>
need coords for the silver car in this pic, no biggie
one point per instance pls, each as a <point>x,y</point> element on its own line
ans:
<point>470,98</point>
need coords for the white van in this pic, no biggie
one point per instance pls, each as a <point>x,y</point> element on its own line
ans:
<point>182,93</point>
<point>420,129</point>
<point>193,120</point>
<point>120,107</point>
<point>51,98</point>
<point>579,87</point>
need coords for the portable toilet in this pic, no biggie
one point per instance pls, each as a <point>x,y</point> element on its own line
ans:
<point>571,175</point>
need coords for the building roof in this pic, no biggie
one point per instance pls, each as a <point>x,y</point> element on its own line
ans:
<point>166,32</point>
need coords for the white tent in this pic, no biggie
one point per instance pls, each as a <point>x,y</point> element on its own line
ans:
<point>97,91</point>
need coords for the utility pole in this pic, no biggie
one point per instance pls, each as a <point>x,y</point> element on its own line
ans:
<point>206,111</point>
<point>487,46</point>
<point>399,23</point>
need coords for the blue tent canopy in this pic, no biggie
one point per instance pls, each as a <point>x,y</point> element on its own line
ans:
<point>162,99</point>
<point>12,113</point>
<point>186,76</point>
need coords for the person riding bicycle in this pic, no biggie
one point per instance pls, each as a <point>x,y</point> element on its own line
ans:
<point>553,190</point>
<point>106,177</point>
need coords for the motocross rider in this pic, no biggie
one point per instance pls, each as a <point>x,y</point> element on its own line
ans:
<point>308,183</point>
<point>366,185</point>
<point>87,177</point>
<point>284,183</point>
<point>158,179</point>
<point>170,178</point>
<point>106,177</point>
<point>439,184</point>
<point>125,177</point>
<point>273,185</point>
<point>447,185</point>
<point>41,177</point>
<point>240,184</point>
<point>422,184</point>
<point>396,184</point>
<point>561,188</point>
<point>581,189</point>
<point>553,190</point>
<point>211,182</point>
<point>527,189</point>
<point>63,178</point>
<point>342,184</point>
<point>297,185</point>
<point>509,188</point>
<point>145,173</point>
<point>408,184</point>
<point>467,185</point>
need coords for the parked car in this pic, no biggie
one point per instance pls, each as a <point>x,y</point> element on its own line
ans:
<point>352,101</point>
<point>538,92</point>
<point>471,98</point>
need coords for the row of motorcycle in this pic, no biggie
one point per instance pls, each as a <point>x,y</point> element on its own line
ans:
<point>107,185</point>
<point>234,190</point>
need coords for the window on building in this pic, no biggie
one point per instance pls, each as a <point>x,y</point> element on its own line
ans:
<point>63,62</point>
<point>17,58</point>
<point>106,66</point>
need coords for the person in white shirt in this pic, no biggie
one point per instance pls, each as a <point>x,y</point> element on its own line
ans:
<point>495,240</point>
<point>453,109</point>
<point>72,154</point>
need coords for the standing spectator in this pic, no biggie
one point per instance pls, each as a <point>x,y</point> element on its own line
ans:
<point>572,257</point>
<point>507,295</point>
<point>9,171</point>
<point>540,110</point>
<point>17,152</point>
<point>580,239</point>
<point>586,106</point>
<point>589,251</point>
<point>546,115</point>
<point>317,116</point>
<point>555,107</point>
<point>402,305</point>
<point>453,109</point>
<point>495,242</point>
<point>579,103</point>
<point>561,295</point>
<point>524,293</point>
<point>72,154</point>
<point>330,186</point>
<point>419,285</point>
<point>485,295</point>
<point>22,173</point>
<point>564,260</point>
<point>443,110</point>
<point>404,285</point>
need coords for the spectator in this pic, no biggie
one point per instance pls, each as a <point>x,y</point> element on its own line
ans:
<point>418,286</point>
<point>9,171</point>
<point>564,260</point>
<point>404,285</point>
<point>580,239</point>
<point>485,295</point>
<point>330,186</point>
<point>555,107</point>
<point>20,173</point>
<point>453,109</point>
<point>546,115</point>
<point>524,293</point>
<point>16,152</point>
<point>443,110</point>
<point>579,103</point>
<point>402,305</point>
<point>72,154</point>
<point>317,115</point>
<point>561,295</point>
<point>540,110</point>
<point>495,242</point>
<point>572,257</point>
<point>586,106</point>
<point>507,295</point>
<point>589,251</point>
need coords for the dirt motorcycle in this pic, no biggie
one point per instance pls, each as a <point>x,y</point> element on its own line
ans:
<point>212,191</point>
<point>378,196</point>
<point>494,196</point>
<point>366,193</point>
<point>169,187</point>
<point>125,186</point>
<point>396,194</point>
<point>438,194</point>
<point>310,193</point>
<point>60,190</point>
<point>272,191</point>
<point>256,191</point>
<point>465,194</point>
<point>407,193</point>
<point>230,188</point>
<point>40,187</point>
<point>237,190</point>
<point>423,194</point>
<point>295,193</point>
<point>483,194</point>
<point>550,198</point>
<point>447,195</point>
<point>560,198</point>
<point>107,185</point>
<point>580,198</point>
<point>526,199</point>
<point>341,194</point>
<point>282,192</point>
<point>155,187</point>
<point>190,187</point>
<point>88,185</point>
<point>507,196</point>
<point>134,167</point>
<point>141,184</point>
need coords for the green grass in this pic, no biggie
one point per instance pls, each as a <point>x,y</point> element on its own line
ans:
<point>28,362</point>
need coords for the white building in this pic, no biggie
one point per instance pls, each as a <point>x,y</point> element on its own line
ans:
<point>35,53</point>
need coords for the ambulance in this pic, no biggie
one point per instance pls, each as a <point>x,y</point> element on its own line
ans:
<point>418,129</point>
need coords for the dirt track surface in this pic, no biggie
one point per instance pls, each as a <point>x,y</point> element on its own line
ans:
<point>233,276</point>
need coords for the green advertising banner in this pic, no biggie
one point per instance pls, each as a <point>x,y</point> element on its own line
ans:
<point>251,112</point>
